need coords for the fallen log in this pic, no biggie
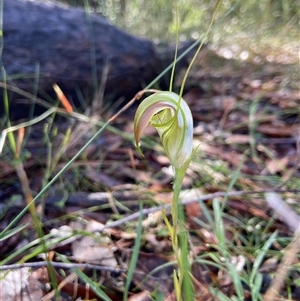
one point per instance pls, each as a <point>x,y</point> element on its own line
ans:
<point>46,43</point>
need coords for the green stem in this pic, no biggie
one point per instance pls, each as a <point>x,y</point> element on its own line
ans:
<point>180,237</point>
<point>174,210</point>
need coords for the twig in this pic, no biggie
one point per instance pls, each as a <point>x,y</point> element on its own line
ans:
<point>292,219</point>
<point>284,212</point>
<point>130,103</point>
<point>289,257</point>
<point>60,265</point>
<point>188,201</point>
<point>69,279</point>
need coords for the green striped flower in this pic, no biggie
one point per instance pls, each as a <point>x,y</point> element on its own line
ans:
<point>171,117</point>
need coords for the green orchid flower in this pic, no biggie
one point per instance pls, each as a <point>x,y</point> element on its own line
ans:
<point>170,115</point>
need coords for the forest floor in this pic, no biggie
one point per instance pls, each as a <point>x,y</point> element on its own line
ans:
<point>244,180</point>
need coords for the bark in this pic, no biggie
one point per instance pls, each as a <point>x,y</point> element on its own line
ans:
<point>46,43</point>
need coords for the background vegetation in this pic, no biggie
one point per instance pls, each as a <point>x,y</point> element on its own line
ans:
<point>254,27</point>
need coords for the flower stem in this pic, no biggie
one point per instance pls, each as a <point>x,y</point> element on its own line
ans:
<point>180,238</point>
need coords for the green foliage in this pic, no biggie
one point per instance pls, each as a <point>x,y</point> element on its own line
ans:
<point>256,20</point>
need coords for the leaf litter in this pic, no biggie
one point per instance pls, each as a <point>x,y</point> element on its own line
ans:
<point>247,129</point>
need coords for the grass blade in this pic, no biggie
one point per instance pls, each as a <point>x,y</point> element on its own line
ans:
<point>135,254</point>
